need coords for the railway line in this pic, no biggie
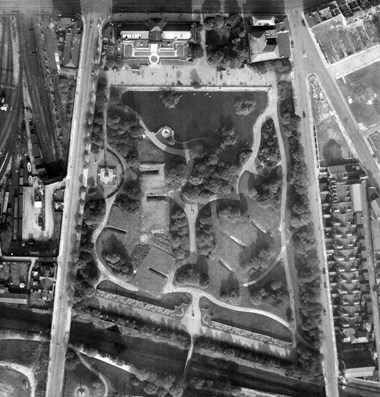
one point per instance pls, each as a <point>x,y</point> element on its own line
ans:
<point>40,97</point>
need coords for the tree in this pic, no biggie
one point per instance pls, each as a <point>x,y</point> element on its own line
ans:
<point>170,98</point>
<point>244,106</point>
<point>195,51</point>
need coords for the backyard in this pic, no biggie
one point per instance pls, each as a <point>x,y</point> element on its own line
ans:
<point>362,92</point>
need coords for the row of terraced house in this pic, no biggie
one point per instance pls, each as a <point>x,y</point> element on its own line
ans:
<point>342,198</point>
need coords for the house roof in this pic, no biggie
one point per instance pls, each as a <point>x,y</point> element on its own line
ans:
<point>358,359</point>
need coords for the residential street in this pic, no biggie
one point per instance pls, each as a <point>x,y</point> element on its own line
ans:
<point>62,307</point>
<point>303,67</point>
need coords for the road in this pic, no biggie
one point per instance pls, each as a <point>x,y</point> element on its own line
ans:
<point>302,68</point>
<point>62,309</point>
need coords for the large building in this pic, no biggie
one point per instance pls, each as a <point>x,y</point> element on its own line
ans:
<point>345,232</point>
<point>268,40</point>
<point>155,40</point>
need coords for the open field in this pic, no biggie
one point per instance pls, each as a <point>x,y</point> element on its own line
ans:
<point>13,383</point>
<point>119,381</point>
<point>20,352</point>
<point>248,321</point>
<point>190,119</point>
<point>362,92</point>
<point>332,145</point>
<point>338,40</point>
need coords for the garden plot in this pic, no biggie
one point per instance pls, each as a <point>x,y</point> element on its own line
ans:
<point>332,146</point>
<point>338,40</point>
<point>362,92</point>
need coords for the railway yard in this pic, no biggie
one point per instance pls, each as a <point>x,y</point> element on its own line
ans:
<point>38,72</point>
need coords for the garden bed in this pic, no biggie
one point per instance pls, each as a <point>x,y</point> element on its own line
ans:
<point>249,321</point>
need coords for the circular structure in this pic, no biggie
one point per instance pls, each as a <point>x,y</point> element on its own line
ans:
<point>82,392</point>
<point>144,238</point>
<point>154,59</point>
<point>167,132</point>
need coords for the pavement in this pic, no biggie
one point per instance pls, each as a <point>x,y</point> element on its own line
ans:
<point>62,306</point>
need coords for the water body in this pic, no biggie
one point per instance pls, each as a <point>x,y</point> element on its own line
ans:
<point>207,6</point>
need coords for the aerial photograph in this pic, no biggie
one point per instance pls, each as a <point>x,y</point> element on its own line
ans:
<point>189,198</point>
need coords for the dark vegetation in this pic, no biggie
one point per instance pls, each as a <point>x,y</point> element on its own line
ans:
<point>266,188</point>
<point>128,197</point>
<point>176,173</point>
<point>205,233</point>
<point>135,326</point>
<point>86,270</point>
<point>116,257</point>
<point>230,289</point>
<point>97,136</point>
<point>274,293</point>
<point>244,106</point>
<point>169,301</point>
<point>259,255</point>
<point>226,41</point>
<point>269,151</point>
<point>151,382</point>
<point>210,175</point>
<point>194,273</point>
<point>179,231</point>
<point>170,98</point>
<point>305,253</point>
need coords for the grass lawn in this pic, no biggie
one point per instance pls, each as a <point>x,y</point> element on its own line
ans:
<point>248,321</point>
<point>124,220</point>
<point>190,119</point>
<point>275,275</point>
<point>81,376</point>
<point>265,218</point>
<point>113,241</point>
<point>12,382</point>
<point>19,351</point>
<point>169,301</point>
<point>119,381</point>
<point>363,87</point>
